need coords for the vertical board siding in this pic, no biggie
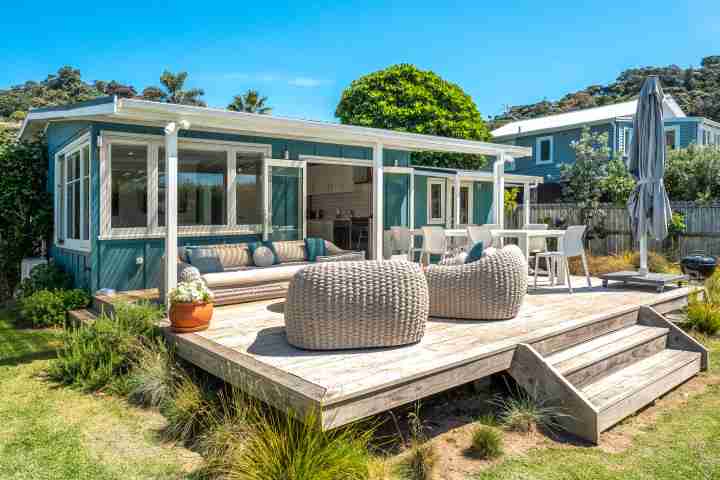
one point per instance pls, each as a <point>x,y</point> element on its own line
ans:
<point>77,264</point>
<point>702,222</point>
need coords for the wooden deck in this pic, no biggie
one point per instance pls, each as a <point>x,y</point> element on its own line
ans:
<point>246,346</point>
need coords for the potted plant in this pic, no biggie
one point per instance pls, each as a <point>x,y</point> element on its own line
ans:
<point>191,307</point>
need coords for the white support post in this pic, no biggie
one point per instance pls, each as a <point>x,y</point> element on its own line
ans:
<point>456,201</point>
<point>526,204</point>
<point>378,201</point>
<point>171,168</point>
<point>499,190</point>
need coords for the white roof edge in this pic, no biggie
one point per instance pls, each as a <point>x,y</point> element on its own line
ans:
<point>108,108</point>
<point>309,129</point>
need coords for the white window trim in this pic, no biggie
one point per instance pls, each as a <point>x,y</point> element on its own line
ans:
<point>154,143</point>
<point>627,138</point>
<point>538,150</point>
<point>676,129</point>
<point>430,183</point>
<point>76,145</point>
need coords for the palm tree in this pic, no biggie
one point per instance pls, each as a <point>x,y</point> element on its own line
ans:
<point>173,92</point>
<point>250,102</point>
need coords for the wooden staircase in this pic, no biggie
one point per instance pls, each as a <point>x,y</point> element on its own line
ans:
<point>602,372</point>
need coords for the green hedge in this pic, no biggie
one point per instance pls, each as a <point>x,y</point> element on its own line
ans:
<point>48,308</point>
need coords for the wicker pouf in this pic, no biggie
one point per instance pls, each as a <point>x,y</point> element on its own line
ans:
<point>356,305</point>
<point>492,288</point>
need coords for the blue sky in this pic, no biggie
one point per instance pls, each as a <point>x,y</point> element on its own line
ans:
<point>301,54</point>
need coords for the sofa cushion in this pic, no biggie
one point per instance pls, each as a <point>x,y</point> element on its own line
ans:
<point>252,246</point>
<point>263,256</point>
<point>315,247</point>
<point>205,259</point>
<point>252,276</point>
<point>290,250</point>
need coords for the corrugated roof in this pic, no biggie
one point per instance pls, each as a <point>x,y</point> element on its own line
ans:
<point>581,117</point>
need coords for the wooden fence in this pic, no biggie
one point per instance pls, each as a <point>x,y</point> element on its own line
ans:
<point>702,222</point>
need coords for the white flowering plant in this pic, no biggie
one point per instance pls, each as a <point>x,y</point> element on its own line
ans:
<point>191,292</point>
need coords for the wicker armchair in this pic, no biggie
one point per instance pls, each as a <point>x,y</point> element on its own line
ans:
<point>491,288</point>
<point>356,305</point>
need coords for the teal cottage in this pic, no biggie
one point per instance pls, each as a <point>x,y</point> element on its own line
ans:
<point>132,180</point>
<point>551,137</point>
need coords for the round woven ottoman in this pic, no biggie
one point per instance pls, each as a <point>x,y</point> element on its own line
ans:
<point>342,305</point>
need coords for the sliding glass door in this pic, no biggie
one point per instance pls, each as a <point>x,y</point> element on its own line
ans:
<point>285,182</point>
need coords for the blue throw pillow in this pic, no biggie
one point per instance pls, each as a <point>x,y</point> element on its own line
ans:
<point>252,246</point>
<point>206,260</point>
<point>315,247</point>
<point>475,253</point>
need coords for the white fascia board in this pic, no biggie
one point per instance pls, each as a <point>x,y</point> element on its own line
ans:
<point>309,129</point>
<point>108,108</point>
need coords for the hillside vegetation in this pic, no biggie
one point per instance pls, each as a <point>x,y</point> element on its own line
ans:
<point>697,90</point>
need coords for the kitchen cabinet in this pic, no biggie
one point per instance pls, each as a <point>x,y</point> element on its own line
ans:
<point>330,179</point>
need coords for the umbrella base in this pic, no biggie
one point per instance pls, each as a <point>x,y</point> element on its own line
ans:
<point>657,280</point>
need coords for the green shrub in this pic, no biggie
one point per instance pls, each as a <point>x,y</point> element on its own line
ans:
<point>74,299</point>
<point>188,408</point>
<point>281,447</point>
<point>486,442</point>
<point>48,276</point>
<point>421,462</point>
<point>524,412</point>
<point>712,288</point>
<point>228,426</point>
<point>48,308</point>
<point>43,308</point>
<point>153,375</point>
<point>141,318</point>
<point>703,317</point>
<point>97,355</point>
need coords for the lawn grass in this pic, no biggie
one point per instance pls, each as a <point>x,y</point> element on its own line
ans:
<point>53,432</point>
<point>683,443</point>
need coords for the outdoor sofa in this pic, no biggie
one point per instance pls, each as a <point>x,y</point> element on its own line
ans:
<point>230,272</point>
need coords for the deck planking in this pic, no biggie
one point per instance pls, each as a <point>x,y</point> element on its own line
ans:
<point>246,346</point>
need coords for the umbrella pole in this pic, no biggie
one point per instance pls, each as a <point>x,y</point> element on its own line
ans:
<point>643,242</point>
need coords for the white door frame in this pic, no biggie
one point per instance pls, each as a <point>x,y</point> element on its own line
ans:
<point>268,163</point>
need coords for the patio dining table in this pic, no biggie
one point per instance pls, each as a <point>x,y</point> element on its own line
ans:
<point>523,237</point>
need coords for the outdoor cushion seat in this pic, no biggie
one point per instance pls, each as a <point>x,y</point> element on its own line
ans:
<point>491,288</point>
<point>345,305</point>
<point>248,276</point>
<point>234,278</point>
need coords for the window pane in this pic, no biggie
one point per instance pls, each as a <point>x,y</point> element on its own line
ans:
<point>61,198</point>
<point>76,209</point>
<point>74,166</point>
<point>248,189</point>
<point>70,224</point>
<point>436,200</point>
<point>464,205</point>
<point>670,139</point>
<point>86,209</point>
<point>202,180</point>
<point>129,186</point>
<point>545,151</point>
<point>86,160</point>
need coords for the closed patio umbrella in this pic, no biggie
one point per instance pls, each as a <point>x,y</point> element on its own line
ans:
<point>648,204</point>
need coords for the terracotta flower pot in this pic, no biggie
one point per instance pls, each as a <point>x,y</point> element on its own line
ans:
<point>190,317</point>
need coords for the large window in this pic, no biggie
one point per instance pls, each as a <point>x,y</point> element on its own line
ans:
<point>201,186</point>
<point>544,150</point>
<point>248,189</point>
<point>627,140</point>
<point>436,201</point>
<point>72,196</point>
<point>129,176</point>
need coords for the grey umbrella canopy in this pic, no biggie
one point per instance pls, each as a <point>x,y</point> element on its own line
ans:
<point>648,204</point>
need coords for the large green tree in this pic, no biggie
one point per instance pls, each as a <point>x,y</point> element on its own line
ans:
<point>251,102</point>
<point>403,97</point>
<point>172,90</point>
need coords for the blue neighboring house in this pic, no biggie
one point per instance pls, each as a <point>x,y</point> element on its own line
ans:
<point>551,137</point>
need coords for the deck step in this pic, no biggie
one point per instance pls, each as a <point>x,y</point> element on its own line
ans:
<point>82,316</point>
<point>628,390</point>
<point>589,361</point>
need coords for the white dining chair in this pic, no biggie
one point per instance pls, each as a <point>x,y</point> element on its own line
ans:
<point>434,242</point>
<point>481,233</point>
<point>572,246</point>
<point>536,244</point>
<point>403,242</point>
